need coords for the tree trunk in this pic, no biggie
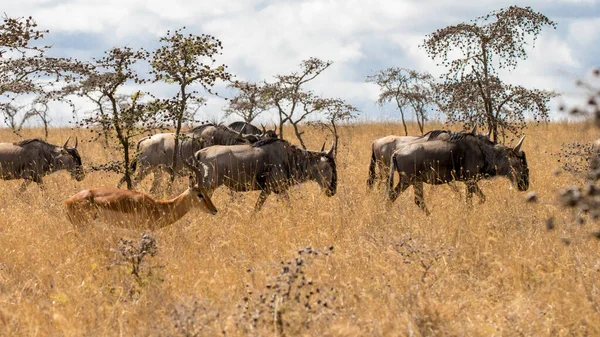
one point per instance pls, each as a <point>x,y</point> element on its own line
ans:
<point>299,135</point>
<point>281,122</point>
<point>404,123</point>
<point>127,176</point>
<point>178,130</point>
<point>402,116</point>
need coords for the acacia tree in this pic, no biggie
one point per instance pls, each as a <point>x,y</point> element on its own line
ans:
<point>118,115</point>
<point>249,102</point>
<point>26,71</point>
<point>186,60</point>
<point>408,88</point>
<point>335,111</point>
<point>472,92</point>
<point>287,95</point>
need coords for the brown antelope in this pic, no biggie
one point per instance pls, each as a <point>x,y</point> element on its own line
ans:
<point>133,209</point>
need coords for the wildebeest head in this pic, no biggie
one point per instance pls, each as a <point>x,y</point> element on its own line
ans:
<point>269,133</point>
<point>69,159</point>
<point>516,165</point>
<point>325,171</point>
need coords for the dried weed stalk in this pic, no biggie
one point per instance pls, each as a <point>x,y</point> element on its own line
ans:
<point>291,302</point>
<point>134,258</point>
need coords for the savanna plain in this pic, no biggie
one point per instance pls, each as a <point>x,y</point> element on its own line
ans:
<point>347,265</point>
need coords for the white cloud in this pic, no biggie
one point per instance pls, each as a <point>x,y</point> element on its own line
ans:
<point>264,38</point>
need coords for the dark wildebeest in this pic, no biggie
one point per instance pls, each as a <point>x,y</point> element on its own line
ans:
<point>270,165</point>
<point>244,127</point>
<point>31,159</point>
<point>155,153</point>
<point>249,129</point>
<point>383,148</point>
<point>463,157</point>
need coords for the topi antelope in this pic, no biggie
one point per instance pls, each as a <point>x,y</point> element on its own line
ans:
<point>131,209</point>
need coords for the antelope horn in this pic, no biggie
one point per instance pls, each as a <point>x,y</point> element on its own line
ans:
<point>66,142</point>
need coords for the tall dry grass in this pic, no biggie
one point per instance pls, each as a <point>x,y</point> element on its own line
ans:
<point>491,270</point>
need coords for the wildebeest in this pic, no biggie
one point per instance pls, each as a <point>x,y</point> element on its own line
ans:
<point>155,153</point>
<point>270,165</point>
<point>125,208</point>
<point>249,129</point>
<point>383,148</point>
<point>463,157</point>
<point>31,159</point>
<point>243,127</point>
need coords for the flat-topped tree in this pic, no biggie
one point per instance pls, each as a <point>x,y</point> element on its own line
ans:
<point>26,71</point>
<point>187,60</point>
<point>471,92</point>
<point>408,89</point>
<point>118,114</point>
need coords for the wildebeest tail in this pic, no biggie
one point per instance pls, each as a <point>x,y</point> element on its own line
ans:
<point>390,187</point>
<point>371,179</point>
<point>134,160</point>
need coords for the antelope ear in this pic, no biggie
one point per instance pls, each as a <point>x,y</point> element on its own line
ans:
<point>332,150</point>
<point>517,147</point>
<point>66,142</point>
<point>323,147</point>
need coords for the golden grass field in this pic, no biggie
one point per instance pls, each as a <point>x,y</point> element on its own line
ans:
<point>493,270</point>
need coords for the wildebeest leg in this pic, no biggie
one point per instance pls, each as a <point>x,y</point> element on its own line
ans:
<point>24,185</point>
<point>403,184</point>
<point>261,200</point>
<point>472,187</point>
<point>419,197</point>
<point>455,189</point>
<point>371,179</point>
<point>479,193</point>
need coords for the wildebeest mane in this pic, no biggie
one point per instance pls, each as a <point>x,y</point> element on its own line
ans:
<point>32,140</point>
<point>433,134</point>
<point>266,141</point>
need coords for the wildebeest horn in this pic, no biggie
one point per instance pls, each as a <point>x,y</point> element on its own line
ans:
<point>66,142</point>
<point>323,147</point>
<point>264,130</point>
<point>518,146</point>
<point>474,129</point>
<point>331,151</point>
<point>76,142</point>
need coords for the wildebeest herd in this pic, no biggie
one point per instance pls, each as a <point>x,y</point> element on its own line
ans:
<point>246,158</point>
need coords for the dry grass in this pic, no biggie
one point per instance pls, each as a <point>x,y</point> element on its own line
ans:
<point>492,270</point>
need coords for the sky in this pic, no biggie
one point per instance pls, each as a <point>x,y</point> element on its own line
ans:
<point>264,38</point>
